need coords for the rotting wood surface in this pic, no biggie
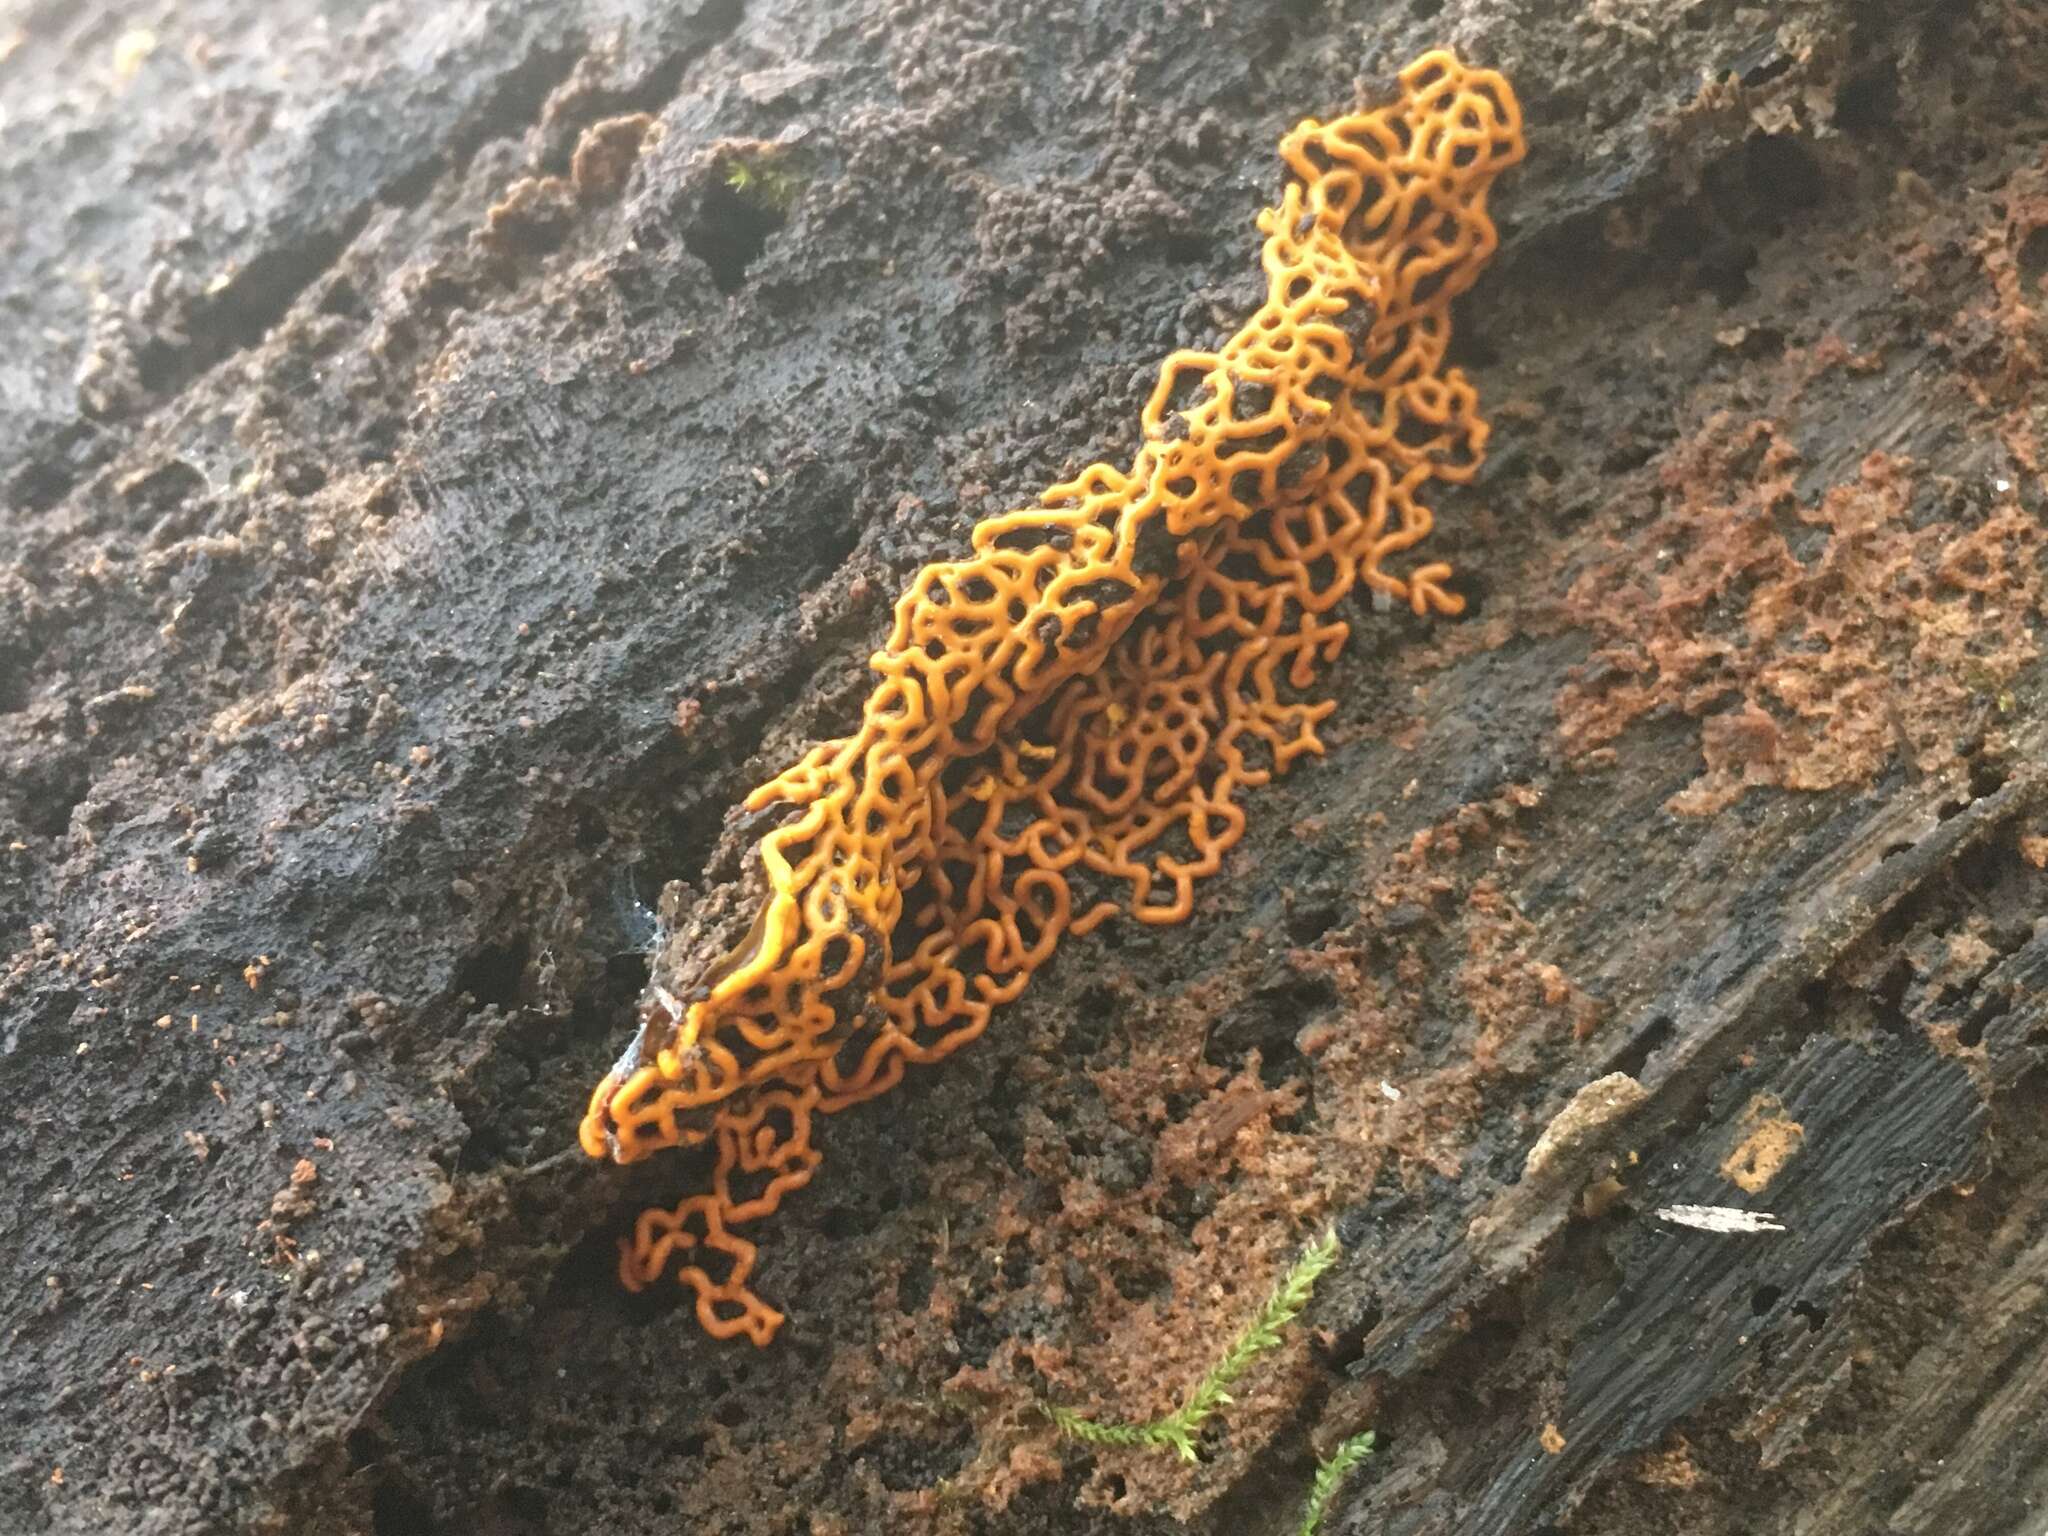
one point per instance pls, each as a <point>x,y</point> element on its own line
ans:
<point>417,533</point>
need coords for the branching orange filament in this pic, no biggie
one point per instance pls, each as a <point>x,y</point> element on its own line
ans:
<point>1077,706</point>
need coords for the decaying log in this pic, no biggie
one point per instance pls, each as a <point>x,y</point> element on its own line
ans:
<point>450,454</point>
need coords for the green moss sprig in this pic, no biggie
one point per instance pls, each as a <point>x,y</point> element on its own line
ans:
<point>1179,1428</point>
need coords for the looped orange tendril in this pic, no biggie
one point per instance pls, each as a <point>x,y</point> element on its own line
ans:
<point>1082,699</point>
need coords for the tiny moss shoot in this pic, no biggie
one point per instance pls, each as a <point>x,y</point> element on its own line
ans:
<point>761,179</point>
<point>1330,1477</point>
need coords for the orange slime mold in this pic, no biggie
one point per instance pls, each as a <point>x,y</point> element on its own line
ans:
<point>1084,697</point>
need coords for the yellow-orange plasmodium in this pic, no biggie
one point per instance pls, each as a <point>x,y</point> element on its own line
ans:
<point>1083,698</point>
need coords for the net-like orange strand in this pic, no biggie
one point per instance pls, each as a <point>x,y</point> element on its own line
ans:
<point>1081,700</point>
